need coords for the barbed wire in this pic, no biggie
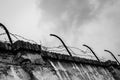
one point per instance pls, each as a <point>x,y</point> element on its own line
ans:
<point>16,36</point>
<point>51,49</point>
<point>24,38</point>
<point>5,34</point>
<point>2,34</point>
<point>61,49</point>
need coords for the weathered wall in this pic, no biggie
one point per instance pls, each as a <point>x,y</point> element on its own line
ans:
<point>29,62</point>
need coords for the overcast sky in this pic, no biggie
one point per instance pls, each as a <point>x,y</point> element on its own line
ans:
<point>92,22</point>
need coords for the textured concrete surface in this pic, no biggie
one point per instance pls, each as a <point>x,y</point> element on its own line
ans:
<point>26,61</point>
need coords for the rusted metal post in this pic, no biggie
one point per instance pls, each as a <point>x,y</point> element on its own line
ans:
<point>112,56</point>
<point>7,32</point>
<point>62,43</point>
<point>92,52</point>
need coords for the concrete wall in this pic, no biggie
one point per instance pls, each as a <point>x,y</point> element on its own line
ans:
<point>26,61</point>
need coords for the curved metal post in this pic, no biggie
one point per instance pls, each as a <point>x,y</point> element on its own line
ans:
<point>7,32</point>
<point>92,52</point>
<point>112,55</point>
<point>62,43</point>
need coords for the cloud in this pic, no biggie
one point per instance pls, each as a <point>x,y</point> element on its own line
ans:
<point>103,31</point>
<point>94,22</point>
<point>65,13</point>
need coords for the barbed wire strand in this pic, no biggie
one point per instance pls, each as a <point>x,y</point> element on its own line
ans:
<point>19,36</point>
<point>48,48</point>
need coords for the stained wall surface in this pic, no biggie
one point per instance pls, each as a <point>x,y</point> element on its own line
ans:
<point>42,65</point>
<point>54,70</point>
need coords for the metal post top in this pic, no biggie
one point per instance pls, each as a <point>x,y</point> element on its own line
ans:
<point>92,52</point>
<point>112,56</point>
<point>62,43</point>
<point>7,32</point>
